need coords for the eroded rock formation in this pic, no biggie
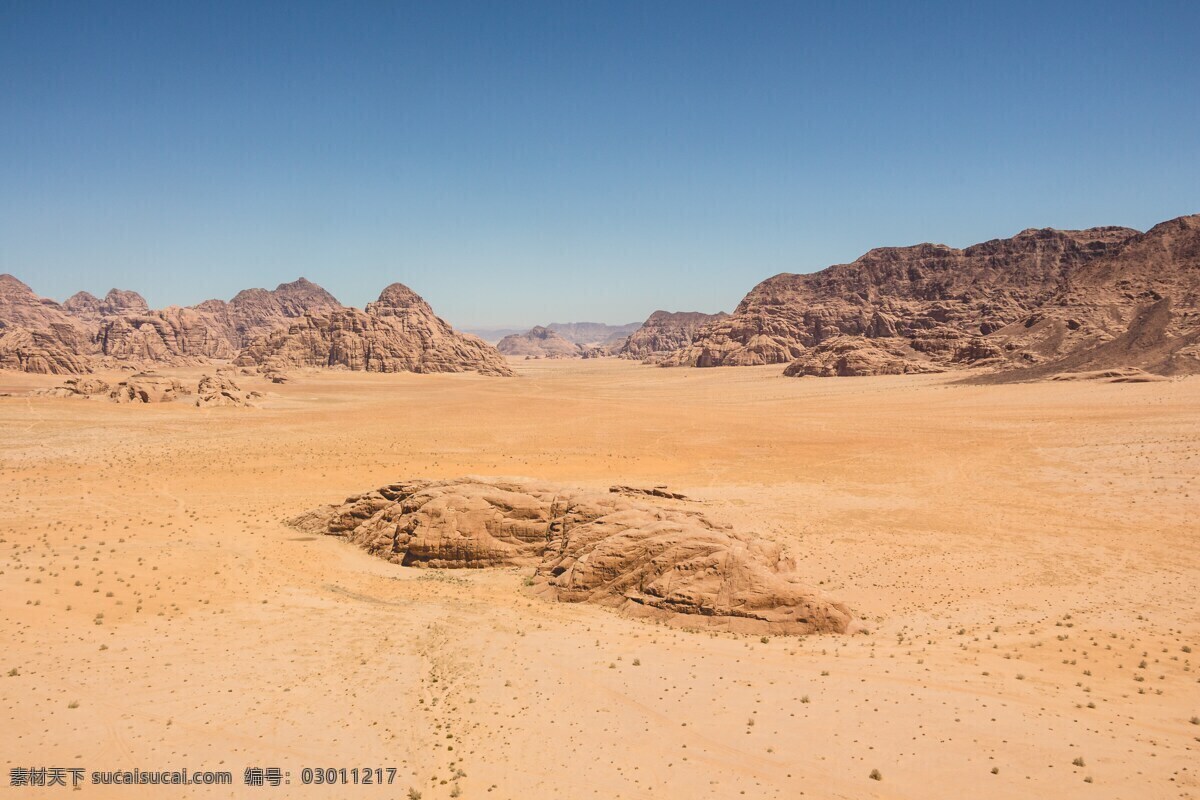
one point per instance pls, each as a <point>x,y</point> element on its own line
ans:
<point>646,555</point>
<point>39,335</point>
<point>148,388</point>
<point>848,356</point>
<point>663,333</point>
<point>539,342</point>
<point>220,390</point>
<point>1045,299</point>
<point>397,333</point>
<point>76,388</point>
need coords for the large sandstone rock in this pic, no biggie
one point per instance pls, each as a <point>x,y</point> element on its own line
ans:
<point>539,342</point>
<point>39,351</point>
<point>80,388</point>
<point>397,333</point>
<point>148,388</point>
<point>646,555</point>
<point>848,356</point>
<point>220,390</point>
<point>37,334</point>
<point>663,333</point>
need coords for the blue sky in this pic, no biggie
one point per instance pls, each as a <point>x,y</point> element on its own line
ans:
<point>518,163</point>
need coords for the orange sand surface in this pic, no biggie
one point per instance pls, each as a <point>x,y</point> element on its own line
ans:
<point>1027,558</point>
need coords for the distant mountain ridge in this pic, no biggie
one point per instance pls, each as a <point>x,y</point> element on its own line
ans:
<point>567,340</point>
<point>84,332</point>
<point>1042,302</point>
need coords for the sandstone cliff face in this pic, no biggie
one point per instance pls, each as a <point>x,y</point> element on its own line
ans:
<point>39,351</point>
<point>38,335</point>
<point>539,342</point>
<point>663,333</point>
<point>1035,299</point>
<point>1136,308</point>
<point>397,333</point>
<point>933,295</point>
<point>127,329</point>
<point>646,555</point>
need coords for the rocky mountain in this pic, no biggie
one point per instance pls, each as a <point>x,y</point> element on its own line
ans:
<point>539,342</point>
<point>127,329</point>
<point>645,554</point>
<point>40,335</point>
<point>397,333</point>
<point>1135,308</point>
<point>663,333</point>
<point>1045,298</point>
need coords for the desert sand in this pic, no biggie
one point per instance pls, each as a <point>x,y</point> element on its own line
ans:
<point>1026,558</point>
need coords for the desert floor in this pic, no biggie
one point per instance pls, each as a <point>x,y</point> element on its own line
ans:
<point>1027,558</point>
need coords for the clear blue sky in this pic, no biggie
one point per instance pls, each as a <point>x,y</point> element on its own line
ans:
<point>519,163</point>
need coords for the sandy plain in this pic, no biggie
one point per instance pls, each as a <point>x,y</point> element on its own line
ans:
<point>1027,557</point>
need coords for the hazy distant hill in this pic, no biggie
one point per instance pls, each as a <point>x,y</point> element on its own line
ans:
<point>593,333</point>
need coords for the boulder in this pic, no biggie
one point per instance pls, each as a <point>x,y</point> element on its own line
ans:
<point>648,555</point>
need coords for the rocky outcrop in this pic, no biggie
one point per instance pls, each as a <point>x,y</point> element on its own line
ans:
<point>40,351</point>
<point>169,335</point>
<point>148,388</point>
<point>1124,375</point>
<point>220,390</point>
<point>850,356</point>
<point>1043,302</point>
<point>76,388</point>
<point>127,329</point>
<point>663,333</point>
<point>1138,307</point>
<point>397,333</point>
<point>39,335</point>
<point>647,555</point>
<point>253,312</point>
<point>539,342</point>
